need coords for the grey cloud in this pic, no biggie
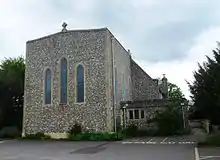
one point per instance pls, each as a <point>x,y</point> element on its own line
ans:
<point>161,32</point>
<point>169,41</point>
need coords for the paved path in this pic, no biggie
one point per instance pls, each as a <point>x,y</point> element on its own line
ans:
<point>60,150</point>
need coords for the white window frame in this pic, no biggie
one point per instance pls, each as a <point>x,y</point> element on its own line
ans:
<point>139,114</point>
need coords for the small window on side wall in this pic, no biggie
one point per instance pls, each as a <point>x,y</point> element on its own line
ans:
<point>136,114</point>
<point>131,116</point>
<point>142,114</point>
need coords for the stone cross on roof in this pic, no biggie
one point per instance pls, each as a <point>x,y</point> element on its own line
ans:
<point>64,25</point>
<point>164,77</point>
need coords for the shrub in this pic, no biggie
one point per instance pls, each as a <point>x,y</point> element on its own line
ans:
<point>37,136</point>
<point>169,121</point>
<point>118,126</point>
<point>76,129</point>
<point>131,130</point>
<point>10,132</point>
<point>147,132</point>
<point>77,137</point>
<point>96,136</point>
<point>211,140</point>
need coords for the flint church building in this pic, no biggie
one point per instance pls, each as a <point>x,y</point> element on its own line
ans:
<point>80,76</point>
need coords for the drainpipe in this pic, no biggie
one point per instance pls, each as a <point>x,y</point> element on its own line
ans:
<point>124,115</point>
<point>113,86</point>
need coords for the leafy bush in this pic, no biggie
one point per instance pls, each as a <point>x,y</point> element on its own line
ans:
<point>169,121</point>
<point>96,136</point>
<point>211,140</point>
<point>76,137</point>
<point>37,136</point>
<point>131,130</point>
<point>76,129</point>
<point>10,132</point>
<point>147,132</point>
<point>7,136</point>
<point>118,126</point>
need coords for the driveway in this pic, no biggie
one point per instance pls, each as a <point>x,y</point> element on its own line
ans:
<point>61,150</point>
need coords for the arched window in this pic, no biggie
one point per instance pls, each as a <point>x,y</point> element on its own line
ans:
<point>80,83</point>
<point>47,86</point>
<point>63,81</point>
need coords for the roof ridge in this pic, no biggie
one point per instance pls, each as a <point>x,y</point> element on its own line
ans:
<point>68,31</point>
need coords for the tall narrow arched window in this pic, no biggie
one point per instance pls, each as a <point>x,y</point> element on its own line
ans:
<point>63,81</point>
<point>47,86</point>
<point>80,83</point>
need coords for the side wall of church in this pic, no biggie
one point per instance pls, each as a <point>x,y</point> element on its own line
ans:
<point>143,86</point>
<point>78,47</point>
<point>121,73</point>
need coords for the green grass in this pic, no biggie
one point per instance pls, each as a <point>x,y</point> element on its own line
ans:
<point>37,136</point>
<point>210,140</point>
<point>86,136</point>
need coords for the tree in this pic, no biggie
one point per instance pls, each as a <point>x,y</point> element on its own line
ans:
<point>174,92</point>
<point>11,91</point>
<point>205,89</point>
<point>169,121</point>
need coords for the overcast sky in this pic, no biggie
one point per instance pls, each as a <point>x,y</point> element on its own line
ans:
<point>164,36</point>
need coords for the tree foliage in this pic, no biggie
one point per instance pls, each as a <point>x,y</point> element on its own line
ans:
<point>169,121</point>
<point>205,89</point>
<point>174,92</point>
<point>11,91</point>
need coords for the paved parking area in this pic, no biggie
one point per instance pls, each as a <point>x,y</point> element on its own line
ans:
<point>209,153</point>
<point>61,150</point>
<point>161,140</point>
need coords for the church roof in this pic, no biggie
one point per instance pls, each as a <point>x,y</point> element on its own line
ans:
<point>152,103</point>
<point>69,31</point>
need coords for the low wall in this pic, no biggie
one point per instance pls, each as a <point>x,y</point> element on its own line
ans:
<point>202,123</point>
<point>215,129</point>
<point>205,125</point>
<point>57,135</point>
<point>195,123</point>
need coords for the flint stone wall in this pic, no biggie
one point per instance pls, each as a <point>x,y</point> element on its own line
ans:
<point>86,47</point>
<point>150,108</point>
<point>143,86</point>
<point>149,115</point>
<point>99,52</point>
